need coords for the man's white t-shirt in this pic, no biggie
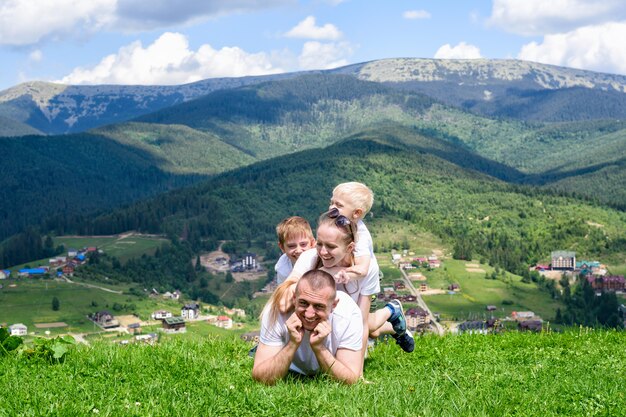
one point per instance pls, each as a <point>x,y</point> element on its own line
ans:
<point>347,333</point>
<point>283,268</point>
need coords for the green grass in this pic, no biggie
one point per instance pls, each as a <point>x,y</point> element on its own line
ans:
<point>577,373</point>
<point>30,302</point>
<point>124,247</point>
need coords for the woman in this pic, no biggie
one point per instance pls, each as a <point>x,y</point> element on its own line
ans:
<point>336,240</point>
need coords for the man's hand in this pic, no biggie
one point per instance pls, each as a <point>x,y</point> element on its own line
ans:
<point>286,303</point>
<point>319,334</point>
<point>296,331</point>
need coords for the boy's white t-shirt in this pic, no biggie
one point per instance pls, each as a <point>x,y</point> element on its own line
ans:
<point>368,285</point>
<point>347,333</point>
<point>364,242</point>
<point>283,268</point>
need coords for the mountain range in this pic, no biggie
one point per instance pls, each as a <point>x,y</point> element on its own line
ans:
<point>504,88</point>
<point>75,151</point>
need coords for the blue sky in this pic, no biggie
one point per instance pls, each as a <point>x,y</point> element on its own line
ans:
<point>180,41</point>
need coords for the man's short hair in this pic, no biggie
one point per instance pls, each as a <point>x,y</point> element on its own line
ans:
<point>318,280</point>
<point>293,226</point>
<point>359,194</point>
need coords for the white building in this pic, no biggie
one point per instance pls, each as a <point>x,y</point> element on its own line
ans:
<point>161,315</point>
<point>190,311</point>
<point>18,329</point>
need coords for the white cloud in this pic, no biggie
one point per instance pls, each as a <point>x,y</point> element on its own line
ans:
<point>416,14</point>
<point>307,30</point>
<point>460,51</point>
<point>35,56</point>
<point>599,48</point>
<point>24,22</point>
<point>169,61</point>
<point>317,55</point>
<point>541,17</point>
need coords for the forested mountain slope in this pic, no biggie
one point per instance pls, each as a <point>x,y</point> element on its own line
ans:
<point>65,175</point>
<point>509,225</point>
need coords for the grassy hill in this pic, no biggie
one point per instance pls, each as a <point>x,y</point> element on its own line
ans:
<point>571,374</point>
<point>177,148</point>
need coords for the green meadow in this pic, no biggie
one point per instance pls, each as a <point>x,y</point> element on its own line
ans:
<point>29,302</point>
<point>477,292</point>
<point>123,247</point>
<point>575,373</point>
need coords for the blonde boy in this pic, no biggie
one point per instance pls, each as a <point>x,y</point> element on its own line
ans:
<point>294,237</point>
<point>354,200</point>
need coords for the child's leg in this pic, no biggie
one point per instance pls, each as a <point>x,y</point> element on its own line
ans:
<point>390,320</point>
<point>385,328</point>
<point>378,319</point>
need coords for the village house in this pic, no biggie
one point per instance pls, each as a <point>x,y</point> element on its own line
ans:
<point>71,253</point>
<point>224,322</point>
<point>416,317</point>
<point>30,272</point>
<point>249,261</point>
<point>161,315</point>
<point>18,329</point>
<point>174,325</point>
<point>134,328</point>
<point>522,315</point>
<point>57,261</point>
<point>399,285</point>
<point>472,327</point>
<point>491,308</point>
<point>530,325</point>
<point>104,319</point>
<point>609,283</point>
<point>190,311</point>
<point>563,260</point>
<point>69,269</point>
<point>409,298</point>
<point>434,263</point>
<point>4,273</point>
<point>454,287</point>
<point>172,295</point>
<point>423,287</point>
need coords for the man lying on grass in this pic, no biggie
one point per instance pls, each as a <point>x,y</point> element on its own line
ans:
<point>324,333</point>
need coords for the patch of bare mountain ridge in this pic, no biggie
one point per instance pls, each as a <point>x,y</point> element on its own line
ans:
<point>489,87</point>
